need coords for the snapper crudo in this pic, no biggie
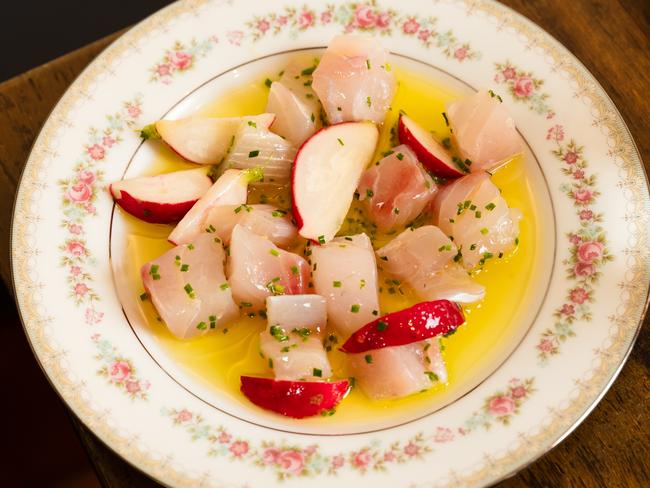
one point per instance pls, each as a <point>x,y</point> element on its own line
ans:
<point>354,80</point>
<point>473,212</point>
<point>188,287</point>
<point>484,131</point>
<point>396,189</point>
<point>257,268</point>
<point>292,341</point>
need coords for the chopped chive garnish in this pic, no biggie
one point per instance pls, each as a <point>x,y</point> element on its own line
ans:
<point>432,376</point>
<point>144,296</point>
<point>201,326</point>
<point>400,156</point>
<point>375,312</point>
<point>252,124</point>
<point>446,247</point>
<point>153,271</point>
<point>303,332</point>
<point>211,229</point>
<point>484,230</point>
<point>339,109</point>
<point>477,214</point>
<point>313,119</point>
<point>270,363</point>
<point>321,239</point>
<point>308,71</point>
<point>368,358</point>
<point>274,252</point>
<point>472,247</point>
<point>278,333</point>
<point>190,247</point>
<point>446,142</point>
<point>368,102</point>
<point>347,238</point>
<point>254,154</point>
<point>189,290</point>
<point>340,141</point>
<point>368,63</point>
<point>490,206</point>
<point>355,308</point>
<point>317,372</point>
<point>396,210</point>
<point>336,284</point>
<point>268,82</point>
<point>245,304</point>
<point>516,241</point>
<point>294,270</point>
<point>369,193</point>
<point>383,258</point>
<point>224,286</point>
<point>362,283</point>
<point>444,116</point>
<point>382,326</point>
<point>185,267</point>
<point>278,213</point>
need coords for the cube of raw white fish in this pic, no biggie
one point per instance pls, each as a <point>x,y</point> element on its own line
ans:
<point>188,287</point>
<point>397,189</point>
<point>258,147</point>
<point>473,212</point>
<point>424,258</point>
<point>345,273</point>
<point>398,371</point>
<point>264,220</point>
<point>258,269</point>
<point>293,339</point>
<point>484,131</point>
<point>354,80</point>
<point>294,103</point>
<point>230,189</point>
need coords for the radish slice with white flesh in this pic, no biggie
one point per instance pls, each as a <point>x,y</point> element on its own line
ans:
<point>263,220</point>
<point>259,147</point>
<point>230,189</point>
<point>188,288</point>
<point>202,140</point>
<point>484,131</point>
<point>430,152</point>
<point>161,199</point>
<point>294,103</point>
<point>258,269</point>
<point>325,176</point>
<point>425,258</point>
<point>292,342</point>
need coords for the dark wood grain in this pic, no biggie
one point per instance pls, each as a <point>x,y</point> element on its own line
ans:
<point>611,448</point>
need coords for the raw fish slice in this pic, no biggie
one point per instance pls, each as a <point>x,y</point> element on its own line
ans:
<point>424,258</point>
<point>354,81</point>
<point>202,140</point>
<point>292,340</point>
<point>294,103</point>
<point>264,220</point>
<point>394,372</point>
<point>473,212</point>
<point>230,189</point>
<point>188,287</point>
<point>258,147</point>
<point>258,269</point>
<point>397,189</point>
<point>484,131</point>
<point>345,273</point>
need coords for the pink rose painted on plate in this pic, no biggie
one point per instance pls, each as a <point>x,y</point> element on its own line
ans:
<point>76,249</point>
<point>180,60</point>
<point>590,251</point>
<point>361,459</point>
<point>306,19</point>
<point>584,269</point>
<point>86,176</point>
<point>184,416</point>
<point>96,152</point>
<point>411,26</point>
<point>383,20</point>
<point>270,456</point>
<point>524,86</point>
<point>364,16</point>
<point>579,295</point>
<point>291,461</point>
<point>119,371</point>
<point>501,405</point>
<point>80,192</point>
<point>238,448</point>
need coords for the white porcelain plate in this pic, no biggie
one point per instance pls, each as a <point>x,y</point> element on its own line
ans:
<point>574,330</point>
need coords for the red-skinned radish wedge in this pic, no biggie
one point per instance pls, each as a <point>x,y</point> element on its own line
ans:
<point>430,152</point>
<point>202,140</point>
<point>161,199</point>
<point>413,324</point>
<point>297,399</point>
<point>325,175</point>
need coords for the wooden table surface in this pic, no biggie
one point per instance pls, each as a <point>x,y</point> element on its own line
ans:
<point>611,448</point>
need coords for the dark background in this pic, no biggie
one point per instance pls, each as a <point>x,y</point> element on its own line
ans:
<point>36,31</point>
<point>39,447</point>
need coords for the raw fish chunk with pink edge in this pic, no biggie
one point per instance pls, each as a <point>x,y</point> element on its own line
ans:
<point>293,338</point>
<point>424,258</point>
<point>354,80</point>
<point>188,287</point>
<point>473,212</point>
<point>258,269</point>
<point>396,190</point>
<point>484,131</point>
